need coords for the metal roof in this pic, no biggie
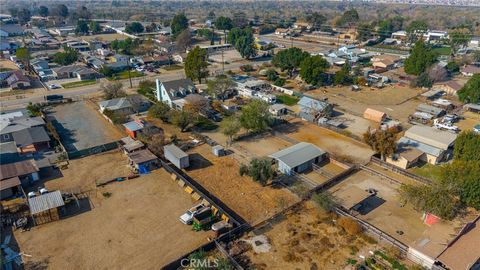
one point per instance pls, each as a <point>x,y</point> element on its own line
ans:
<point>405,142</point>
<point>298,154</point>
<point>174,150</point>
<point>429,109</point>
<point>17,169</point>
<point>45,202</point>
<point>310,103</point>
<point>431,136</point>
<point>142,156</point>
<point>9,183</point>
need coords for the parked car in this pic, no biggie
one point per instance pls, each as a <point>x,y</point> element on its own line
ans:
<point>187,217</point>
<point>54,86</point>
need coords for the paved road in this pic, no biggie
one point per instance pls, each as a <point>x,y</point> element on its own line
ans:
<point>11,102</point>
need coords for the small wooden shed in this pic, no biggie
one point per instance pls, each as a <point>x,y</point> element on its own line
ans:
<point>374,115</point>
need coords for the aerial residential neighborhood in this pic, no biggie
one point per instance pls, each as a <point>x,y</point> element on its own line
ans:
<point>240,134</point>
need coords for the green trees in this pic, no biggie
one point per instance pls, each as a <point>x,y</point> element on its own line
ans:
<point>312,70</point>
<point>365,31</point>
<point>470,92</point>
<point>134,28</point>
<point>127,46</point>
<point>161,111</point>
<point>178,24</point>
<point>224,23</point>
<point>316,20</point>
<point>255,116</point>
<point>82,27</point>
<point>435,199</point>
<point>467,146</point>
<point>243,41</point>
<point>259,169</point>
<point>416,29</point>
<point>289,59</point>
<point>196,64</point>
<point>43,11</point>
<point>147,88</point>
<point>420,59</point>
<point>348,18</point>
<point>325,200</point>
<point>342,77</point>
<point>23,54</point>
<point>271,74</point>
<point>388,26</point>
<point>230,127</point>
<point>94,27</point>
<point>69,56</point>
<point>462,176</point>
<point>60,11</point>
<point>24,16</point>
<point>220,86</point>
<point>181,119</point>
<point>383,142</point>
<point>458,39</point>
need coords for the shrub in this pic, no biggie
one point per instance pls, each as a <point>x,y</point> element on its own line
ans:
<point>349,225</point>
<point>280,82</point>
<point>247,68</point>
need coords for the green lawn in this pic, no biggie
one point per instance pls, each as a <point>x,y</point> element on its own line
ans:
<point>288,100</point>
<point>443,50</point>
<point>124,75</point>
<point>429,171</point>
<point>172,67</point>
<point>79,83</point>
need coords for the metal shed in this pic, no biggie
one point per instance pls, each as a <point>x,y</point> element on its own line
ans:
<point>298,158</point>
<point>218,150</point>
<point>176,156</point>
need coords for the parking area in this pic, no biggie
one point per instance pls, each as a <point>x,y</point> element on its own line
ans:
<point>220,176</point>
<point>80,126</point>
<point>127,228</point>
<point>386,211</point>
<point>470,119</point>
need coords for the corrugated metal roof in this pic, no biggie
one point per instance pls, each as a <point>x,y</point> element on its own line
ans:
<point>431,136</point>
<point>9,183</point>
<point>405,142</point>
<point>174,150</point>
<point>429,109</point>
<point>298,154</point>
<point>45,202</point>
<point>311,103</point>
<point>17,169</point>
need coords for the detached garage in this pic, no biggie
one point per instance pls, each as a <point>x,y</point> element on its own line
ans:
<point>298,158</point>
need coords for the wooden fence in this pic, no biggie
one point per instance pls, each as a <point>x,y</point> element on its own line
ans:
<point>401,171</point>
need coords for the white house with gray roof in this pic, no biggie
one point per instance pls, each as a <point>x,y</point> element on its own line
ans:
<point>298,158</point>
<point>171,91</point>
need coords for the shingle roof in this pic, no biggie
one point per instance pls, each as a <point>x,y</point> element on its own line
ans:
<point>45,202</point>
<point>30,136</point>
<point>9,125</point>
<point>116,103</point>
<point>178,84</point>
<point>12,28</point>
<point>298,154</point>
<point>9,183</point>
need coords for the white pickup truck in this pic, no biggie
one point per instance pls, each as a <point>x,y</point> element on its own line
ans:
<point>188,216</point>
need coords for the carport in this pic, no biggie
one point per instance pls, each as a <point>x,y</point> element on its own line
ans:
<point>44,208</point>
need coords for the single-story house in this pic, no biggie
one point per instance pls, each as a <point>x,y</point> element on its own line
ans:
<point>72,71</point>
<point>312,109</point>
<point>278,109</point>
<point>11,187</point>
<point>374,115</point>
<point>298,158</point>
<point>31,140</point>
<point>435,111</point>
<point>282,31</point>
<point>405,157</point>
<point>156,60</point>
<point>436,144</point>
<point>471,107</point>
<point>463,251</point>
<point>143,160</point>
<point>14,79</point>
<point>25,170</point>
<point>450,87</point>
<point>384,64</point>
<point>176,156</point>
<point>470,70</point>
<point>10,30</point>
<point>125,105</point>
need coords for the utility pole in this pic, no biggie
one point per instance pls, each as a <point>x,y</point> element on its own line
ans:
<point>129,76</point>
<point>223,64</point>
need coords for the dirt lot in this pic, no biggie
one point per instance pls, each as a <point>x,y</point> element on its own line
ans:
<point>104,37</point>
<point>306,238</point>
<point>387,213</point>
<point>128,230</point>
<point>330,141</point>
<point>83,173</point>
<point>471,119</point>
<point>81,127</point>
<point>219,175</point>
<point>396,100</point>
<point>7,64</point>
<point>261,146</point>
